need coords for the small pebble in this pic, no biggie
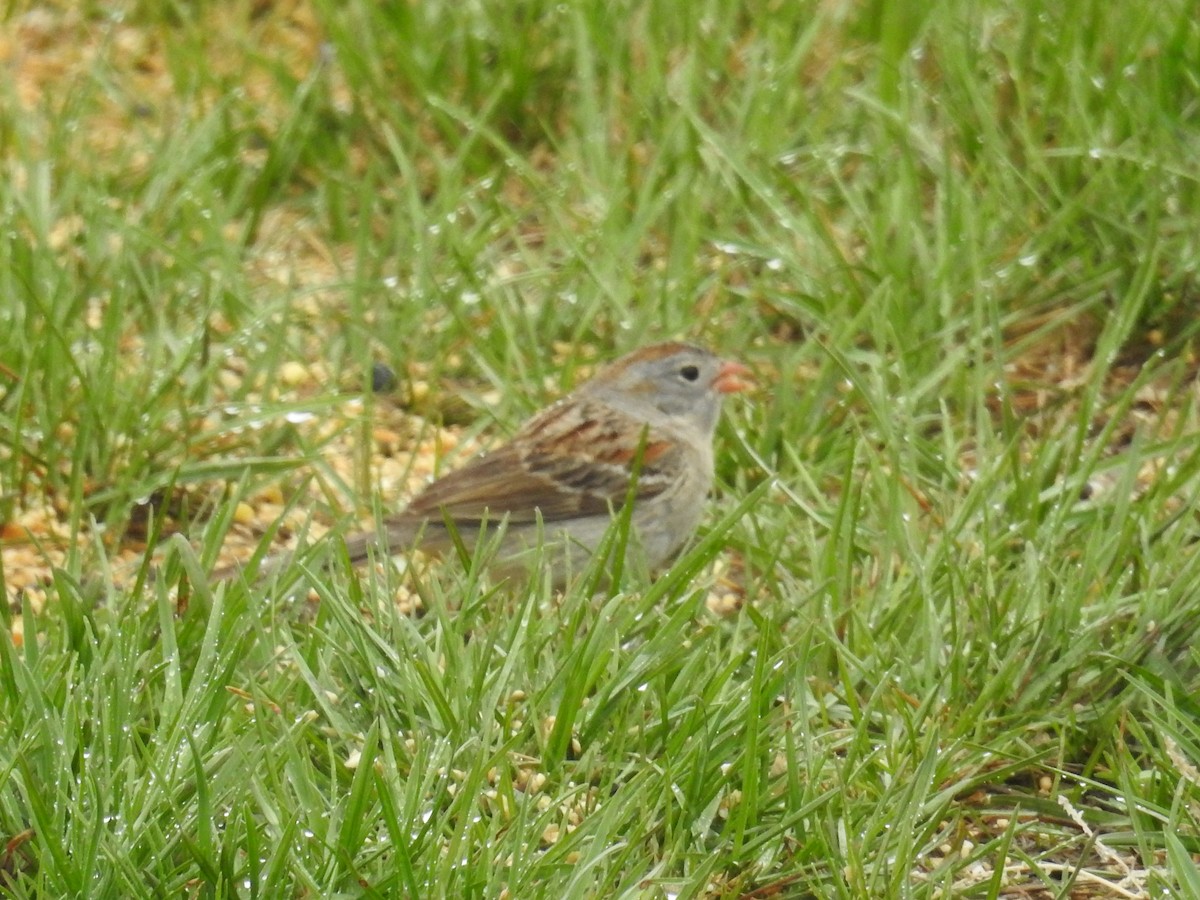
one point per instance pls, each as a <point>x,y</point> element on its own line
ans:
<point>383,379</point>
<point>272,493</point>
<point>387,440</point>
<point>293,374</point>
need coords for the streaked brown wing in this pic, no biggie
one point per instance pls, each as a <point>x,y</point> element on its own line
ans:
<point>566,463</point>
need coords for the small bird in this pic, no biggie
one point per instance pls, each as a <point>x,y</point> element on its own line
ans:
<point>568,470</point>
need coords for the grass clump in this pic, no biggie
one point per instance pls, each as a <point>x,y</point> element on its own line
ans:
<point>937,636</point>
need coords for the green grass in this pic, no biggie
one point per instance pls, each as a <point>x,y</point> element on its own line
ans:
<point>957,240</point>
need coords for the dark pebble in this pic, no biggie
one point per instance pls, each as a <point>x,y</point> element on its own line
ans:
<point>383,379</point>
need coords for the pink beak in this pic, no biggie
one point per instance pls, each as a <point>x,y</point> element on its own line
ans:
<point>732,378</point>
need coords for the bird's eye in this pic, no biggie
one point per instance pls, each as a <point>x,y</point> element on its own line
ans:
<point>690,373</point>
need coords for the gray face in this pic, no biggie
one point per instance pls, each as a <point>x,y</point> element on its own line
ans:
<point>677,383</point>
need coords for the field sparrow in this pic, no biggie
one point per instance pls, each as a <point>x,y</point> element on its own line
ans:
<point>567,470</point>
